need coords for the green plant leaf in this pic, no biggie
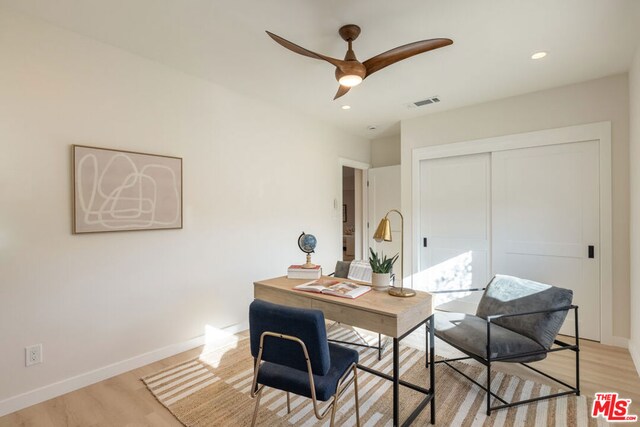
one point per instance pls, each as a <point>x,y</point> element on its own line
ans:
<point>380,263</point>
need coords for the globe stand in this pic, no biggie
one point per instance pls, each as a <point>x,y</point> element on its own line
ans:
<point>308,264</point>
<point>307,243</point>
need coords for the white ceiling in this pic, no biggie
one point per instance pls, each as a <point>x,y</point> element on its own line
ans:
<point>224,42</point>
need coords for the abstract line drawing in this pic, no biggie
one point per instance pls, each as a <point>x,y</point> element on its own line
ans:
<point>122,190</point>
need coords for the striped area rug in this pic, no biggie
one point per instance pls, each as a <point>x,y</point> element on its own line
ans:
<point>214,390</point>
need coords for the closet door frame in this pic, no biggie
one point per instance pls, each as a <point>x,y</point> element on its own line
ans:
<point>600,132</point>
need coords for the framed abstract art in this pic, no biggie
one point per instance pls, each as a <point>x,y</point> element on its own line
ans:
<point>115,190</point>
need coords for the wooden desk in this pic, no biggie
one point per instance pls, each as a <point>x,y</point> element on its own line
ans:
<point>375,311</point>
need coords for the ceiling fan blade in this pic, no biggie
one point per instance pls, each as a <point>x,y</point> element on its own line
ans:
<point>392,56</point>
<point>302,51</point>
<point>341,91</point>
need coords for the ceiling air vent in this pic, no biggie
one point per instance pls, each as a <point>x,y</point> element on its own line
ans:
<point>427,101</point>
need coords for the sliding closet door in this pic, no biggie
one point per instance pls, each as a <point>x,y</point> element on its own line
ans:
<point>455,223</point>
<point>545,215</point>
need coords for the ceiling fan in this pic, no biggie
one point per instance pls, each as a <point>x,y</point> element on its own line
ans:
<point>350,72</point>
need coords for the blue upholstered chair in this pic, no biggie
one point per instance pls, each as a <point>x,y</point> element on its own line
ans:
<point>517,321</point>
<point>292,354</point>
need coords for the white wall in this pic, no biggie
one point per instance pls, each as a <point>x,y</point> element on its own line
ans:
<point>634,158</point>
<point>254,178</point>
<point>385,151</point>
<point>605,99</point>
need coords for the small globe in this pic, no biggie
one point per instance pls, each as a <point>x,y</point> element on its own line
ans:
<point>307,243</point>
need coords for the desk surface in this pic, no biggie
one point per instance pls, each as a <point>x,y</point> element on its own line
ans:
<point>375,311</point>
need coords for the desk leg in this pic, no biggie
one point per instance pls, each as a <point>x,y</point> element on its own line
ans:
<point>427,342</point>
<point>396,383</point>
<point>432,368</point>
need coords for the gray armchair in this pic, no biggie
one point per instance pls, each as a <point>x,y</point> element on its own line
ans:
<point>517,321</point>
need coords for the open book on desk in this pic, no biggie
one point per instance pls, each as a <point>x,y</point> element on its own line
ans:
<point>334,287</point>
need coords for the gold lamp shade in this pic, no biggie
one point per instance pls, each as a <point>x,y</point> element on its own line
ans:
<point>383,232</point>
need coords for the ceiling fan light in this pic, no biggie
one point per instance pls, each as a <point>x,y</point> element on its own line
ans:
<point>350,80</point>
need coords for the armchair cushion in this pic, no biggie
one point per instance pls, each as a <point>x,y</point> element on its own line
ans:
<point>509,295</point>
<point>295,381</point>
<point>469,334</point>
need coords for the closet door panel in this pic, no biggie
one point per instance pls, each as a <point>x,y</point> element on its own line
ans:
<point>455,221</point>
<point>545,215</point>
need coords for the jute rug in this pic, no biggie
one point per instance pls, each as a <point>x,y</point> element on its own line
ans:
<point>214,390</point>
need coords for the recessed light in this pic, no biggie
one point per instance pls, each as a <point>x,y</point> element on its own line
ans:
<point>538,55</point>
<point>346,107</point>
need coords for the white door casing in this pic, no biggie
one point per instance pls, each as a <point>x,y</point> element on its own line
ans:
<point>360,240</point>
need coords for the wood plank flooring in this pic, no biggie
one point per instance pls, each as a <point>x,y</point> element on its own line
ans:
<point>124,400</point>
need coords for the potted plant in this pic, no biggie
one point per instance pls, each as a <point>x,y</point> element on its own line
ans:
<point>381,268</point>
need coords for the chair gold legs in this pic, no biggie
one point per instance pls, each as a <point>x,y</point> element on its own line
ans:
<point>334,408</point>
<point>355,391</point>
<point>256,389</point>
<point>255,411</point>
<point>341,390</point>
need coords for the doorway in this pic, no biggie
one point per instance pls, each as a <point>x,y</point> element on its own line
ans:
<point>351,213</point>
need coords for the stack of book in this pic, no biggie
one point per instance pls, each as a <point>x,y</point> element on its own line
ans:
<point>297,272</point>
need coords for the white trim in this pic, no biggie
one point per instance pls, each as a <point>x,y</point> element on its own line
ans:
<point>635,355</point>
<point>365,200</point>
<point>32,397</point>
<point>600,131</point>
<point>352,164</point>
<point>620,342</point>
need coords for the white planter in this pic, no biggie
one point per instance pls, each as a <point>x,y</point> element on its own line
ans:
<point>380,281</point>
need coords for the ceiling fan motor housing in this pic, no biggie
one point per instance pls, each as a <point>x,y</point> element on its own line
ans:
<point>353,68</point>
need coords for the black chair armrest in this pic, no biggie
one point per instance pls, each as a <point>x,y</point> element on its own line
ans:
<point>551,310</point>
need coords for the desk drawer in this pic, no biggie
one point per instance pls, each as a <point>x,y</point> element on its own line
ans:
<point>364,319</point>
<point>281,297</point>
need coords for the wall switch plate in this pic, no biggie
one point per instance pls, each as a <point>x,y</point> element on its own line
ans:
<point>33,354</point>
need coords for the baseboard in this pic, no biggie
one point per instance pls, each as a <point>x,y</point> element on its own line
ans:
<point>620,342</point>
<point>32,397</point>
<point>635,354</point>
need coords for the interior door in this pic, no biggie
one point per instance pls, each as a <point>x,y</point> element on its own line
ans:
<point>545,217</point>
<point>455,225</point>
<point>384,195</point>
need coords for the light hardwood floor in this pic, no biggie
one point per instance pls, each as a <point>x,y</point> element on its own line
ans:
<point>125,401</point>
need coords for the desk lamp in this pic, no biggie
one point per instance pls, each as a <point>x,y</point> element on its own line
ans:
<point>383,234</point>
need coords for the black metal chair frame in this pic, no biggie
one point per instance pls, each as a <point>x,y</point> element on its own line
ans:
<point>489,360</point>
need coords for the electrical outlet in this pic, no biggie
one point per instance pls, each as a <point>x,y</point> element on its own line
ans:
<point>33,354</point>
